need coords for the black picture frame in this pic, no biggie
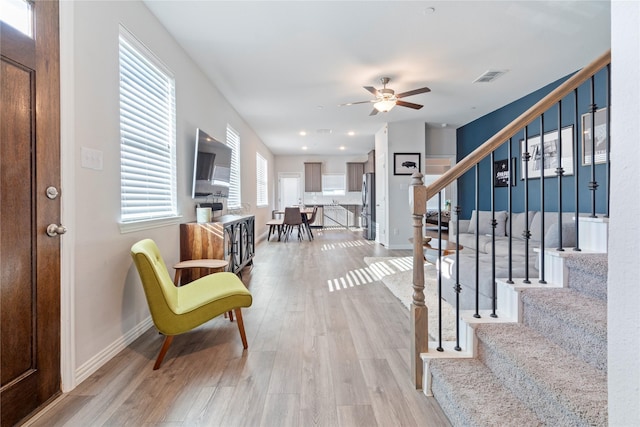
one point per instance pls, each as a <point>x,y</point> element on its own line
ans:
<point>502,171</point>
<point>542,157</point>
<point>406,163</point>
<point>601,137</point>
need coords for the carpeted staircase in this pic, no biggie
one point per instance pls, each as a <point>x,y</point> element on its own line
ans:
<point>548,370</point>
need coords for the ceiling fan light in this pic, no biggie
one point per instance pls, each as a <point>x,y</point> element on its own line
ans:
<point>384,106</point>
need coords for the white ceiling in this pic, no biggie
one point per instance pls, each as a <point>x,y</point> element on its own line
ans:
<point>286,65</point>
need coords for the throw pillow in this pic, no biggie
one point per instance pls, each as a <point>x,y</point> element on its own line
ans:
<point>484,226</point>
<point>552,236</point>
<point>519,225</point>
<point>550,218</point>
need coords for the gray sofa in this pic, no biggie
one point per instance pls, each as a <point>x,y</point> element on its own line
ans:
<point>467,256</point>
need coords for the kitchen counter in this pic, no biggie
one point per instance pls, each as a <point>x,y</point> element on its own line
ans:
<point>341,215</point>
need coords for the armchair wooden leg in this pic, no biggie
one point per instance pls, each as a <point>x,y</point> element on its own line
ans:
<point>241,327</point>
<point>165,346</point>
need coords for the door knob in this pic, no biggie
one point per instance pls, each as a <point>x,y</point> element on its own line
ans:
<point>53,230</point>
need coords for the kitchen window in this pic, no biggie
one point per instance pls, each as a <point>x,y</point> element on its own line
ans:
<point>333,184</point>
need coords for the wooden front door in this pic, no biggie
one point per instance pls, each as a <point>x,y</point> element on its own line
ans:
<point>30,259</point>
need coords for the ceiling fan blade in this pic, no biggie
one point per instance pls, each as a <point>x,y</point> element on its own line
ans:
<point>372,89</point>
<point>413,92</point>
<point>374,112</point>
<point>359,102</point>
<point>409,104</point>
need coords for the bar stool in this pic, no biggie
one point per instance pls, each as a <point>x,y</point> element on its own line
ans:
<point>214,265</point>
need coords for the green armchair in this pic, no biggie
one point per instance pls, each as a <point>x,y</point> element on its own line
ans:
<point>176,310</point>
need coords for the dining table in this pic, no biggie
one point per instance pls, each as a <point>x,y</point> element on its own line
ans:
<point>306,213</point>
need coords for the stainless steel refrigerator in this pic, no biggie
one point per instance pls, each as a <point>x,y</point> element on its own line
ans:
<point>368,212</point>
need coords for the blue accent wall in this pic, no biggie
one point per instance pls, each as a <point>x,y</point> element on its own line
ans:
<point>473,134</point>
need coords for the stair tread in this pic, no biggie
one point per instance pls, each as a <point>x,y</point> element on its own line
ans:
<point>572,307</point>
<point>539,365</point>
<point>461,379</point>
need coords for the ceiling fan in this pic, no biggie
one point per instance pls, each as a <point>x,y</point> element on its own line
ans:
<point>386,98</point>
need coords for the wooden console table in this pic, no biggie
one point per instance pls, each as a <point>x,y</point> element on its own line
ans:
<point>229,237</point>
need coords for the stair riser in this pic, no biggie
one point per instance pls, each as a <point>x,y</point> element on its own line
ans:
<point>588,283</point>
<point>521,383</point>
<point>452,409</point>
<point>575,340</point>
<point>459,388</point>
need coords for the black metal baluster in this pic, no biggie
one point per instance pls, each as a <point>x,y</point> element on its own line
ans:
<point>457,286</point>
<point>477,313</point>
<point>542,168</point>
<point>559,174</point>
<point>510,203</point>
<point>526,234</point>
<point>593,184</point>
<point>576,170</point>
<point>493,239</point>
<point>440,348</point>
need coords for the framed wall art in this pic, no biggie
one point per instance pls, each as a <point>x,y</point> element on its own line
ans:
<point>544,157</point>
<point>600,131</point>
<point>501,171</point>
<point>406,163</point>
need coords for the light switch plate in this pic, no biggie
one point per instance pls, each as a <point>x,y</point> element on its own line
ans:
<point>91,159</point>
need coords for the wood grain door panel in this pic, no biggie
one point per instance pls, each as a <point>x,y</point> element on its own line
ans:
<point>30,260</point>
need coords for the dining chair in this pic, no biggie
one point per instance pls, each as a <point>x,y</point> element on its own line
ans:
<point>292,218</point>
<point>179,309</point>
<point>310,220</point>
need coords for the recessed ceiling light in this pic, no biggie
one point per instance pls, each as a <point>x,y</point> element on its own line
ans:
<point>342,147</point>
<point>303,133</point>
<point>351,133</point>
<point>304,148</point>
<point>428,10</point>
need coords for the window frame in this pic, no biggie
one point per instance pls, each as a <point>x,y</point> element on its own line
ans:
<point>262,182</point>
<point>330,190</point>
<point>232,140</point>
<point>148,171</point>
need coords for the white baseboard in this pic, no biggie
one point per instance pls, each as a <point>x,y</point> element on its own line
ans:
<point>96,362</point>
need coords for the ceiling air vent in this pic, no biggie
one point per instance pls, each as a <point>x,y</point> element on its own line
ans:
<point>489,76</point>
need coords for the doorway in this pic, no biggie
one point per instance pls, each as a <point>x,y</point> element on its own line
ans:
<point>290,190</point>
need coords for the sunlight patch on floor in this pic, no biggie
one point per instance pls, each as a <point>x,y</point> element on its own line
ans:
<point>371,273</point>
<point>346,244</point>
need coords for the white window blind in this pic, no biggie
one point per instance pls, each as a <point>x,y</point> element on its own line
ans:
<point>147,134</point>
<point>333,184</point>
<point>261,175</point>
<point>233,141</point>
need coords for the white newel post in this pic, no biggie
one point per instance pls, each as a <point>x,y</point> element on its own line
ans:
<point>419,311</point>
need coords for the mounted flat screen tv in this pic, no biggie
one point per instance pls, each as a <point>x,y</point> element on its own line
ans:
<point>211,167</point>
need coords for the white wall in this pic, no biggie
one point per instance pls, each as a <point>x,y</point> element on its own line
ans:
<point>395,225</point>
<point>404,137</point>
<point>440,141</point>
<point>624,234</point>
<point>107,305</point>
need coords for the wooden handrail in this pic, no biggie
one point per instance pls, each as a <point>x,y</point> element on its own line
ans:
<point>516,125</point>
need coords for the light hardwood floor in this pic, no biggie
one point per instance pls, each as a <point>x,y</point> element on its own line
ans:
<point>317,355</point>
